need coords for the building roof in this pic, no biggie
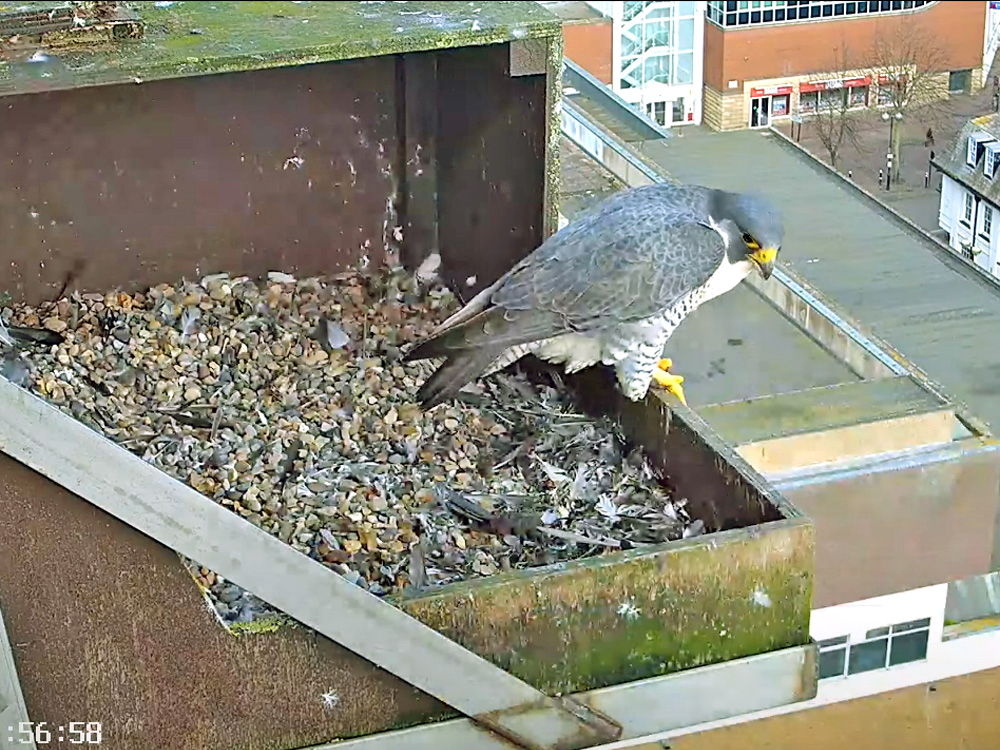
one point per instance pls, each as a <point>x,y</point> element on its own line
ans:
<point>575,11</point>
<point>952,161</point>
<point>906,287</point>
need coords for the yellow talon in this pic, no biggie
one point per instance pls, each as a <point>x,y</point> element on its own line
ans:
<point>671,382</point>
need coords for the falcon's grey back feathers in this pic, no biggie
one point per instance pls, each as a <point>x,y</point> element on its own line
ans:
<point>609,287</point>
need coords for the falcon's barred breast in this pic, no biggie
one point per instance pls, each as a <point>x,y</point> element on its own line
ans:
<point>610,287</point>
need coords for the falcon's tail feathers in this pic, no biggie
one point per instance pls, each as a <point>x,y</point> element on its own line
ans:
<point>445,342</point>
<point>461,368</point>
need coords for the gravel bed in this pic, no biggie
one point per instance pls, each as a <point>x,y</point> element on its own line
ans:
<point>283,400</point>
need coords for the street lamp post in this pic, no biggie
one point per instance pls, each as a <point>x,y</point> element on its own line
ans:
<point>892,120</point>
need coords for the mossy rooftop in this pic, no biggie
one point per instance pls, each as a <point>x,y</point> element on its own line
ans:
<point>198,38</point>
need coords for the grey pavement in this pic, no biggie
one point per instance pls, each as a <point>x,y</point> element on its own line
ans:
<point>939,314</point>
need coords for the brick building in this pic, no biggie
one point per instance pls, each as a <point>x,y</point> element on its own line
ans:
<point>768,61</point>
<point>650,53</point>
<point>587,37</point>
<point>739,64</point>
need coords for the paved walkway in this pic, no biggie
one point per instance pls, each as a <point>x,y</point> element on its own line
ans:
<point>940,315</point>
<point>908,196</point>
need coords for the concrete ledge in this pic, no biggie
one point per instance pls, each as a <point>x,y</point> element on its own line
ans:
<point>851,421</point>
<point>825,330</point>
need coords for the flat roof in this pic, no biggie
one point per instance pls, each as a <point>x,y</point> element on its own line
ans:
<point>940,314</point>
<point>759,351</point>
<point>196,38</point>
<point>575,11</point>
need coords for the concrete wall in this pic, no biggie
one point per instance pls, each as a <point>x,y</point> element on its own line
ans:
<point>899,525</point>
<point>723,111</point>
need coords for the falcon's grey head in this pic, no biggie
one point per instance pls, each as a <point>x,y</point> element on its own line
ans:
<point>758,224</point>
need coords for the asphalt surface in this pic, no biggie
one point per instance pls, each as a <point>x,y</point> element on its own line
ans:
<point>939,314</point>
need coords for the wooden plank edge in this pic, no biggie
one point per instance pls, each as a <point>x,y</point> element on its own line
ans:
<point>644,707</point>
<point>89,465</point>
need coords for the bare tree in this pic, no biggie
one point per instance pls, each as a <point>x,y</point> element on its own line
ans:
<point>835,125</point>
<point>906,63</point>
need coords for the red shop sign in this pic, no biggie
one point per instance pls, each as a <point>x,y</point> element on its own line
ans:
<point>771,91</point>
<point>846,83</point>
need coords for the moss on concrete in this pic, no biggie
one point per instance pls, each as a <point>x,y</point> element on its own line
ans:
<point>553,160</point>
<point>196,38</point>
<point>637,614</point>
<point>270,624</point>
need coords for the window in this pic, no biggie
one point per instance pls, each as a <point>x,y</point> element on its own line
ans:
<point>885,94</point>
<point>959,81</point>
<point>684,70</point>
<point>728,13</point>
<point>967,211</point>
<point>657,44</point>
<point>832,99</point>
<point>678,109</point>
<point>858,96</point>
<point>992,160</point>
<point>986,221</point>
<point>779,105</point>
<point>832,657</point>
<point>881,648</point>
<point>809,101</point>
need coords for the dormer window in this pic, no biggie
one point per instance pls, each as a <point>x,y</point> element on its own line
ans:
<point>992,163</point>
<point>977,143</point>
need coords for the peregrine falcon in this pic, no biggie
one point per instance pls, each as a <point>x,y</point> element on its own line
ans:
<point>610,287</point>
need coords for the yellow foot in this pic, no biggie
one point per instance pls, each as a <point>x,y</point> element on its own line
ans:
<point>671,382</point>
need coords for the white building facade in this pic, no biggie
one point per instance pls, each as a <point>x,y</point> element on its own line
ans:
<point>968,219</point>
<point>970,194</point>
<point>658,57</point>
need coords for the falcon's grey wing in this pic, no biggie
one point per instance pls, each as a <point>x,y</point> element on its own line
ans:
<point>625,266</point>
<point>634,256</point>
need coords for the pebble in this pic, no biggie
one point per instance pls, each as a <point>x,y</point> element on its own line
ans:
<point>284,401</point>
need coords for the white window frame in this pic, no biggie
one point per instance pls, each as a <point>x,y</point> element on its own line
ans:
<point>968,209</point>
<point>985,220</point>
<point>889,634</point>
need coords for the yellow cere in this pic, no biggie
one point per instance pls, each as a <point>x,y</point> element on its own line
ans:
<point>764,255</point>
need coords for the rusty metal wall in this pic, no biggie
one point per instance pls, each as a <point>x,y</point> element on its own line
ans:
<point>491,146</point>
<point>915,525</point>
<point>300,169</point>
<point>297,169</point>
<point>246,172</point>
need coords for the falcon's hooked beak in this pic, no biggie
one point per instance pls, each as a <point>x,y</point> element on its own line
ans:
<point>763,258</point>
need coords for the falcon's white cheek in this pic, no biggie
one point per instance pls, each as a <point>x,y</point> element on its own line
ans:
<point>727,276</point>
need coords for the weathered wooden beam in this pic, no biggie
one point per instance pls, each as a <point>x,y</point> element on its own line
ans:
<point>120,483</point>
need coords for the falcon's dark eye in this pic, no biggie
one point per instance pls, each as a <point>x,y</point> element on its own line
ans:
<point>749,239</point>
